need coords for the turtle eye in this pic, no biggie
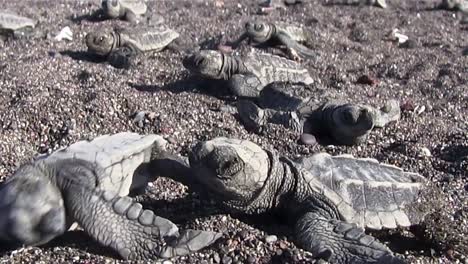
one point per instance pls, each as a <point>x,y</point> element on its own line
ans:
<point>101,39</point>
<point>258,27</point>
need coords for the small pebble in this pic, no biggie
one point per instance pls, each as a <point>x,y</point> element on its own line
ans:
<point>425,152</point>
<point>216,258</point>
<point>271,239</point>
<point>308,139</point>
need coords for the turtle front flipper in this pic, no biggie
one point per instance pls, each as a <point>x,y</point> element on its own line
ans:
<point>115,221</point>
<point>255,118</point>
<point>166,164</point>
<point>123,57</point>
<point>131,17</point>
<point>245,85</point>
<point>236,43</point>
<point>295,50</point>
<point>123,225</point>
<point>340,242</point>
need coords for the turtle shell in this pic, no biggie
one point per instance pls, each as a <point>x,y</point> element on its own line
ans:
<point>271,68</point>
<point>149,39</point>
<point>123,157</point>
<point>296,32</point>
<point>11,21</point>
<point>137,7</point>
<point>365,192</point>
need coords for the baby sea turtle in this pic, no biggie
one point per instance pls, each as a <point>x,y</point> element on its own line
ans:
<point>328,200</point>
<point>273,34</point>
<point>130,10</point>
<point>266,6</point>
<point>378,3</point>
<point>88,183</point>
<point>12,24</point>
<point>326,121</point>
<point>121,46</point>
<point>246,75</point>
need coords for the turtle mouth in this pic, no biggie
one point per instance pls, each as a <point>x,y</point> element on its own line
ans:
<point>222,162</point>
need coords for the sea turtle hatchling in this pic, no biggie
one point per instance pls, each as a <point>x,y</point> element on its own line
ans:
<point>327,121</point>
<point>246,75</point>
<point>377,3</point>
<point>88,182</point>
<point>329,200</point>
<point>130,10</point>
<point>457,5</point>
<point>12,24</point>
<point>266,6</point>
<point>272,34</point>
<point>121,46</point>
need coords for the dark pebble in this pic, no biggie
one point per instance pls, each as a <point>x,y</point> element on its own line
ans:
<point>308,139</point>
<point>243,234</point>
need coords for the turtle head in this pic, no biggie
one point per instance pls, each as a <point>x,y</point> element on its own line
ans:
<point>111,8</point>
<point>235,170</point>
<point>351,123</point>
<point>207,63</point>
<point>258,32</point>
<point>32,208</point>
<point>100,42</point>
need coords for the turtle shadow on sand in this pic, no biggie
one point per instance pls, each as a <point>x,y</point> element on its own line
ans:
<point>83,56</point>
<point>77,239</point>
<point>95,16</point>
<point>276,224</point>
<point>215,88</point>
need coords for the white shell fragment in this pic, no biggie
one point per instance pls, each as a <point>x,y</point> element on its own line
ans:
<point>396,36</point>
<point>65,33</point>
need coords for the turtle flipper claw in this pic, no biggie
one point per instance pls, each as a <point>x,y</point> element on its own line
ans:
<point>189,241</point>
<point>123,57</point>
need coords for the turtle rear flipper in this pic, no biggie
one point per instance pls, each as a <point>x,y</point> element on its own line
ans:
<point>296,48</point>
<point>340,242</point>
<point>123,57</point>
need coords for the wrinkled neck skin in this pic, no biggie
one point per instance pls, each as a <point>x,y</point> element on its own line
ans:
<point>69,172</point>
<point>231,65</point>
<point>277,191</point>
<point>117,41</point>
